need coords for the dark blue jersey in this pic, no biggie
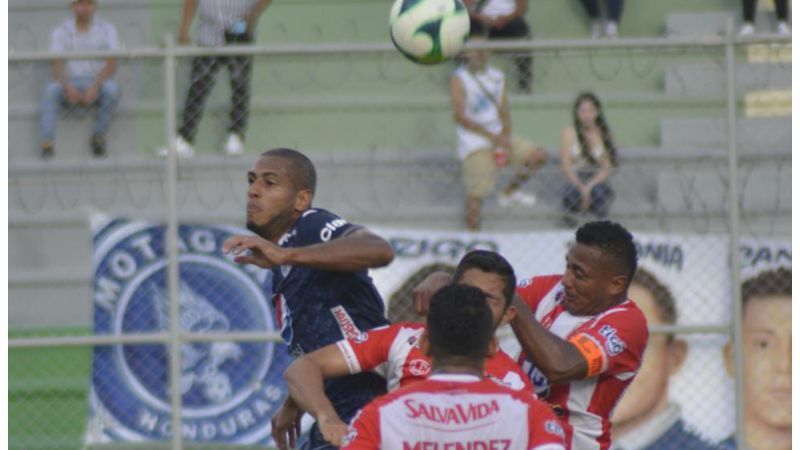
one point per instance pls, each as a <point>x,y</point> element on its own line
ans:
<point>319,307</point>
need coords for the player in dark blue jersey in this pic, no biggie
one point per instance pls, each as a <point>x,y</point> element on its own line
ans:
<point>319,263</point>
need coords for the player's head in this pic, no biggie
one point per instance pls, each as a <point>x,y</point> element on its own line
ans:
<point>476,59</point>
<point>282,183</point>
<point>588,111</point>
<point>491,273</point>
<point>401,307</point>
<point>767,349</point>
<point>83,9</point>
<point>663,356</point>
<point>600,265</point>
<point>459,328</point>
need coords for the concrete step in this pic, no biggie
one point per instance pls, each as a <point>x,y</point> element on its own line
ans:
<point>709,78</point>
<point>714,23</point>
<point>756,136</point>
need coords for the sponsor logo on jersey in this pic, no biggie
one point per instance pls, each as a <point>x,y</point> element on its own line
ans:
<point>541,385</point>
<point>554,427</point>
<point>419,367</point>
<point>614,345</point>
<point>229,389</point>
<point>346,325</point>
<point>327,231</point>
<point>459,414</point>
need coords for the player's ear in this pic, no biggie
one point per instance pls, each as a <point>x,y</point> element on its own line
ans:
<point>677,351</point>
<point>425,344</point>
<point>303,200</point>
<point>727,355</point>
<point>508,315</point>
<point>618,285</point>
<point>494,346</point>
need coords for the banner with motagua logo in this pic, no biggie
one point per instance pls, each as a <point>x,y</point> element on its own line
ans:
<point>229,389</point>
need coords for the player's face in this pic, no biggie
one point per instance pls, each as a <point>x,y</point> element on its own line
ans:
<point>767,345</point>
<point>662,357</point>
<point>587,113</point>
<point>83,9</point>
<point>590,282</point>
<point>492,285</point>
<point>272,198</point>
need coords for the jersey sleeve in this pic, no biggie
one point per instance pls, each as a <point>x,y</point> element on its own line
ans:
<point>614,343</point>
<point>532,290</point>
<point>545,431</point>
<point>316,226</point>
<point>503,370</point>
<point>364,431</point>
<point>369,351</point>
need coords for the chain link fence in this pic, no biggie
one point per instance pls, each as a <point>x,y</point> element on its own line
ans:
<point>95,360</point>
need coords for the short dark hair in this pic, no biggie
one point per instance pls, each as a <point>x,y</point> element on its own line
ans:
<point>303,173</point>
<point>768,283</point>
<point>613,240</point>
<point>459,323</point>
<point>490,262</point>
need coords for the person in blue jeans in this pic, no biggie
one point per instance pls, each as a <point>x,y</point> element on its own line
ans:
<point>81,83</point>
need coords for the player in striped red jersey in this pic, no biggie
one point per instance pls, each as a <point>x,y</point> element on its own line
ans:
<point>582,338</point>
<point>394,351</point>
<point>455,408</point>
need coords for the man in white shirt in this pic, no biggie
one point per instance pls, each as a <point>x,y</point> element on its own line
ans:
<point>483,127</point>
<point>84,82</point>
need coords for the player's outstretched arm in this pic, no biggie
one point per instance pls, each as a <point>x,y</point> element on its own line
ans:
<point>560,361</point>
<point>358,250</point>
<point>305,377</point>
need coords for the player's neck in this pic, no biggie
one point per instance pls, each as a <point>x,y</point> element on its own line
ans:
<point>761,436</point>
<point>458,369</point>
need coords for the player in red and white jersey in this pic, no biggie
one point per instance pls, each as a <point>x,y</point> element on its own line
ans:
<point>394,351</point>
<point>455,408</point>
<point>582,338</point>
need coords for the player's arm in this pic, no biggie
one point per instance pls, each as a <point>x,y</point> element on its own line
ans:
<point>357,250</point>
<point>567,139</point>
<point>560,361</point>
<point>606,169</point>
<point>189,8</point>
<point>458,103</point>
<point>305,379</point>
<point>421,295</point>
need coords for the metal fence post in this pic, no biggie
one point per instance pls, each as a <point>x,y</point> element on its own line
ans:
<point>173,274</point>
<point>735,263</point>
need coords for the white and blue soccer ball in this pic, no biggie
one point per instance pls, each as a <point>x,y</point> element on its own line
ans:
<point>429,31</point>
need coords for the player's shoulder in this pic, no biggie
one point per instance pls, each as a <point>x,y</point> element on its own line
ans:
<point>627,312</point>
<point>318,225</point>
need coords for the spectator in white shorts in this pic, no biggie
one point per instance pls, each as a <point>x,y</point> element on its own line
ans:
<point>485,141</point>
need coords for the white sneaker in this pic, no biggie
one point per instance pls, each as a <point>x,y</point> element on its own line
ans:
<point>234,145</point>
<point>612,30</point>
<point>597,29</point>
<point>182,148</point>
<point>747,29</point>
<point>516,198</point>
<point>784,29</point>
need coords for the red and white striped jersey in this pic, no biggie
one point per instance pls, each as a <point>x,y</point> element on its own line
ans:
<point>455,412</point>
<point>613,343</point>
<point>393,352</point>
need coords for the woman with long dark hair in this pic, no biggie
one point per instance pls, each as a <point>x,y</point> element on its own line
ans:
<point>588,159</point>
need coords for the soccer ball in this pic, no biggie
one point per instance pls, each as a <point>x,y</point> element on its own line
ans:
<point>429,31</point>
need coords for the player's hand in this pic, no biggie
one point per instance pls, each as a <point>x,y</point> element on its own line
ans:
<point>421,295</point>
<point>263,253</point>
<point>183,37</point>
<point>73,94</point>
<point>333,430</point>
<point>586,197</point>
<point>90,95</point>
<point>286,425</point>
